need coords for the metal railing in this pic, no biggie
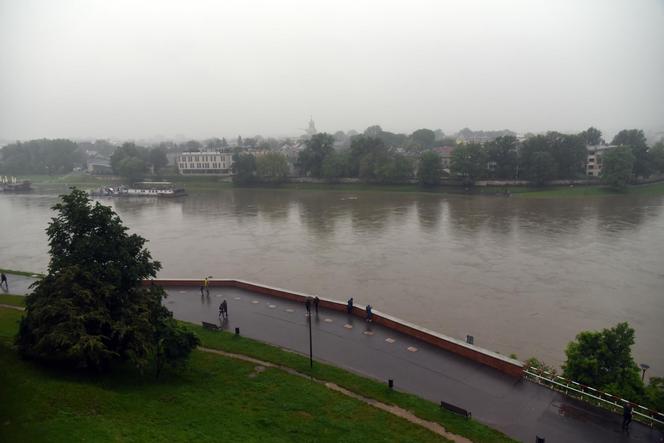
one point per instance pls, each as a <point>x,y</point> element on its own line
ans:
<point>592,395</point>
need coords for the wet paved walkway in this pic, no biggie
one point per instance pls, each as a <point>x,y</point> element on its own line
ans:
<point>521,409</point>
<point>18,284</point>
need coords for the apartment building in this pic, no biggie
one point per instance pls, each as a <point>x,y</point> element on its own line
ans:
<point>205,163</point>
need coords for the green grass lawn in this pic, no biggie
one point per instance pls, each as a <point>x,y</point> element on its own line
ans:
<point>14,300</point>
<point>214,399</point>
<point>424,409</point>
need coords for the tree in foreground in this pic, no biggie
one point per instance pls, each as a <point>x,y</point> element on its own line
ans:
<point>603,360</point>
<point>617,167</point>
<point>90,311</point>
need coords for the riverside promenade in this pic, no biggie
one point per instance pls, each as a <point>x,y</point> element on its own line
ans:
<point>517,407</point>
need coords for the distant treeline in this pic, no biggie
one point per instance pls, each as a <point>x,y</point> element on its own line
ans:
<point>42,156</point>
<point>375,156</point>
<point>372,157</point>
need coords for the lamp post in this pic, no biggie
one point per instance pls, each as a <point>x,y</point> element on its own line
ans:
<point>311,348</point>
<point>644,368</point>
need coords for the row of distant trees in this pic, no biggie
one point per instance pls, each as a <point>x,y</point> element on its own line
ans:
<point>375,156</point>
<point>539,159</point>
<point>132,161</point>
<point>43,156</point>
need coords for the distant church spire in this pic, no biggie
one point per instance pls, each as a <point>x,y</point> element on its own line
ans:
<point>311,129</point>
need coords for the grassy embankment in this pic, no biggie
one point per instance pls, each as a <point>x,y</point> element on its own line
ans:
<point>214,398</point>
<point>13,300</point>
<point>199,183</point>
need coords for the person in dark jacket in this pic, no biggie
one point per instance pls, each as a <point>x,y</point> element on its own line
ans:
<point>349,306</point>
<point>307,304</point>
<point>627,416</point>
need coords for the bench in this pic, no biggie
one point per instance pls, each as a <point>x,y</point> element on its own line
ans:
<point>211,326</point>
<point>455,409</point>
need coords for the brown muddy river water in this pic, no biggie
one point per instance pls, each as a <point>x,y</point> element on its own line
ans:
<point>521,275</point>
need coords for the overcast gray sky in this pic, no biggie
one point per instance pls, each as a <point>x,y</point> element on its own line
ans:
<point>201,68</point>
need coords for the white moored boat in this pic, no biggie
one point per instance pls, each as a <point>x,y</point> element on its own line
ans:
<point>150,189</point>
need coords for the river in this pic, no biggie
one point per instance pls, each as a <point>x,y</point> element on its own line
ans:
<point>522,275</point>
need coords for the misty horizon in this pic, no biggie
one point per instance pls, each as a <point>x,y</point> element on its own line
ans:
<point>92,69</point>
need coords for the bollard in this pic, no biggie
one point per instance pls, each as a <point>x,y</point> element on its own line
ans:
<point>237,331</point>
<point>539,439</point>
<point>390,383</point>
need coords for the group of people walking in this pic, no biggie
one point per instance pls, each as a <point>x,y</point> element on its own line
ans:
<point>368,310</point>
<point>315,301</point>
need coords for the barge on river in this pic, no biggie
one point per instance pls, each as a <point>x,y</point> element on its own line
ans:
<point>142,189</point>
<point>11,184</point>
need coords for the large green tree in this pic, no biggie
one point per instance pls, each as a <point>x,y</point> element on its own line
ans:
<point>272,168</point>
<point>158,158</point>
<point>43,156</point>
<point>393,168</point>
<point>603,360</point>
<point>617,166</point>
<point>310,159</point>
<point>426,138</point>
<point>657,157</point>
<point>430,169</point>
<point>336,165</point>
<point>592,136</point>
<point>91,310</point>
<point>364,156</point>
<point>503,154</point>
<point>244,169</point>
<point>130,161</point>
<point>569,152</point>
<point>636,140</point>
<point>469,162</point>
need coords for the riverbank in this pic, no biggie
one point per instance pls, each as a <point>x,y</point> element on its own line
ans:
<point>203,184</point>
<point>215,397</point>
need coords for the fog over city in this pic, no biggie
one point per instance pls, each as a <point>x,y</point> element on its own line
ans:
<point>203,68</point>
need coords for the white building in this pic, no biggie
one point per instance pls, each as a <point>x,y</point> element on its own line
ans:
<point>594,160</point>
<point>207,162</point>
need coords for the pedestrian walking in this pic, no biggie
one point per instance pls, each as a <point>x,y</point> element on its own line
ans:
<point>223,309</point>
<point>369,313</point>
<point>3,281</point>
<point>627,416</point>
<point>307,304</point>
<point>205,285</point>
<point>316,302</point>
<point>349,306</point>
